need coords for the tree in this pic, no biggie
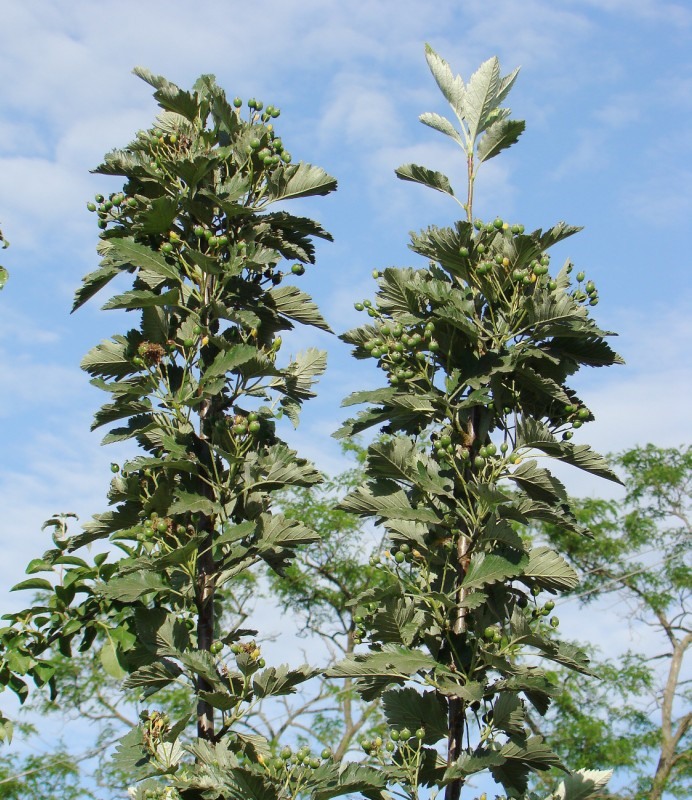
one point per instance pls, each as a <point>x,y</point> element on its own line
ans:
<point>636,718</point>
<point>477,348</point>
<point>316,588</point>
<point>200,387</point>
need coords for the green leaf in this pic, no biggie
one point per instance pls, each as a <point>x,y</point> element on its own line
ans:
<point>385,500</point>
<point>451,86</point>
<point>109,661</point>
<point>33,583</point>
<point>582,456</point>
<point>481,94</point>
<point>158,217</point>
<point>370,396</point>
<point>591,351</point>
<point>281,680</point>
<point>538,483</point>
<point>280,466</point>
<point>401,459</point>
<point>532,433</point>
<point>93,283</point>
<point>141,298</point>
<point>408,708</point>
<point>470,692</point>
<point>520,760</point>
<point>471,763</point>
<point>153,677</point>
<point>301,374</point>
<point>170,96</point>
<point>499,136</point>
<point>275,529</point>
<point>108,359</point>
<point>127,252</point>
<point>556,234</point>
<point>226,361</point>
<point>508,713</point>
<point>391,662</point>
<point>473,600</point>
<point>290,302</point>
<point>582,785</point>
<point>128,588</point>
<point>428,177</point>
<point>487,568</point>
<point>441,124</point>
<point>550,570</point>
<point>399,621</point>
<point>191,503</point>
<point>131,756</point>
<point>300,180</point>
<point>352,779</point>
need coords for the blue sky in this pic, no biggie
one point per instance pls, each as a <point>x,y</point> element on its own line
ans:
<point>605,88</point>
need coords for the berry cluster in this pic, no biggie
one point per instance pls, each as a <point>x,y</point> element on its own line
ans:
<point>118,207</point>
<point>289,760</point>
<point>162,528</point>
<point>402,351</point>
<point>403,740</point>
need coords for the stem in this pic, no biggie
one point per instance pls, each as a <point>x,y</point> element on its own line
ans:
<point>471,179</point>
<point>205,633</point>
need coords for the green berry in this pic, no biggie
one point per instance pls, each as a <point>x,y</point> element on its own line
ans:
<point>405,733</point>
<point>298,269</point>
<point>420,734</point>
<point>581,276</point>
<point>216,647</point>
<point>115,468</point>
<point>255,427</point>
<point>358,306</point>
